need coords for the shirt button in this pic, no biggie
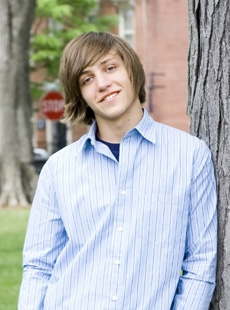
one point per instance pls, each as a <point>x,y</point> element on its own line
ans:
<point>120,228</point>
<point>117,262</point>
<point>123,192</point>
<point>114,298</point>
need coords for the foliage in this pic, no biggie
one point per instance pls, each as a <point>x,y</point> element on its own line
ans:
<point>13,226</point>
<point>56,23</point>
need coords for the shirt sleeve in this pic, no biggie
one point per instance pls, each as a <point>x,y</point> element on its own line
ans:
<point>45,238</point>
<point>197,282</point>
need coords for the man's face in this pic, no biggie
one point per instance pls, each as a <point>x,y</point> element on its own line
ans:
<point>107,89</point>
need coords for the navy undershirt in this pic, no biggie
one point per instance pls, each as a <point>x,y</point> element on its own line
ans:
<point>114,147</point>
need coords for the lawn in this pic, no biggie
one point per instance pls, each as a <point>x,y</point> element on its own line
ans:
<point>13,222</point>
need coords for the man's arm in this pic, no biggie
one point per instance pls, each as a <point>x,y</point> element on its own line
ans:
<point>196,285</point>
<point>45,238</point>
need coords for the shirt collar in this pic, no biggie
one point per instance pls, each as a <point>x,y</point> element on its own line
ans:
<point>91,136</point>
<point>146,127</point>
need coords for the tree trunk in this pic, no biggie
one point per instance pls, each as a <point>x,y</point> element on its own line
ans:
<point>208,107</point>
<point>15,103</point>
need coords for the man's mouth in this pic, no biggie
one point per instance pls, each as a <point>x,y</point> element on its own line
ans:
<point>110,96</point>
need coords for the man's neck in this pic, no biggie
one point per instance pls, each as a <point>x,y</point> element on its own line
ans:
<point>113,132</point>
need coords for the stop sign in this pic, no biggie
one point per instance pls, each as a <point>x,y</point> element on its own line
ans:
<point>52,105</point>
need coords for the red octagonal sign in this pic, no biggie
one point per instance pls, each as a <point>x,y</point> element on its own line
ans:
<point>52,105</point>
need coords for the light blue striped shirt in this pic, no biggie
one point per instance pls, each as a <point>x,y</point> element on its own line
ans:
<point>109,235</point>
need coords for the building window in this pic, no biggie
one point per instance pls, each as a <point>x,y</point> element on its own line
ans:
<point>126,24</point>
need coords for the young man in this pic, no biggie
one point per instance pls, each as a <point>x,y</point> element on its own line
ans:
<point>124,218</point>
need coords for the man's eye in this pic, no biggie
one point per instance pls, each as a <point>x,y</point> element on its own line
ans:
<point>87,80</point>
<point>110,68</point>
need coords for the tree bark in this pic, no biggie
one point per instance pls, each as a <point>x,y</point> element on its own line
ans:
<point>15,103</point>
<point>208,107</point>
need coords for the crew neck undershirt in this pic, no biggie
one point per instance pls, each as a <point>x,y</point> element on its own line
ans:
<point>114,147</point>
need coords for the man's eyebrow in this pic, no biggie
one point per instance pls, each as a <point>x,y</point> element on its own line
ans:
<point>84,72</point>
<point>106,60</point>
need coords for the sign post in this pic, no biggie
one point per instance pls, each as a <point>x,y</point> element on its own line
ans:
<point>52,105</point>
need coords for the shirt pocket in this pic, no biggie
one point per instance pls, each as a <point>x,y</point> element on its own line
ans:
<point>164,219</point>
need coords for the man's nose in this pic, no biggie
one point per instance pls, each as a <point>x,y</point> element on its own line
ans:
<point>103,82</point>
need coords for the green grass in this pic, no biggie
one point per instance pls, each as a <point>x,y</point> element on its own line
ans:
<point>13,222</point>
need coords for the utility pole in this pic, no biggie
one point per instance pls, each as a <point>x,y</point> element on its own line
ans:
<point>152,86</point>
